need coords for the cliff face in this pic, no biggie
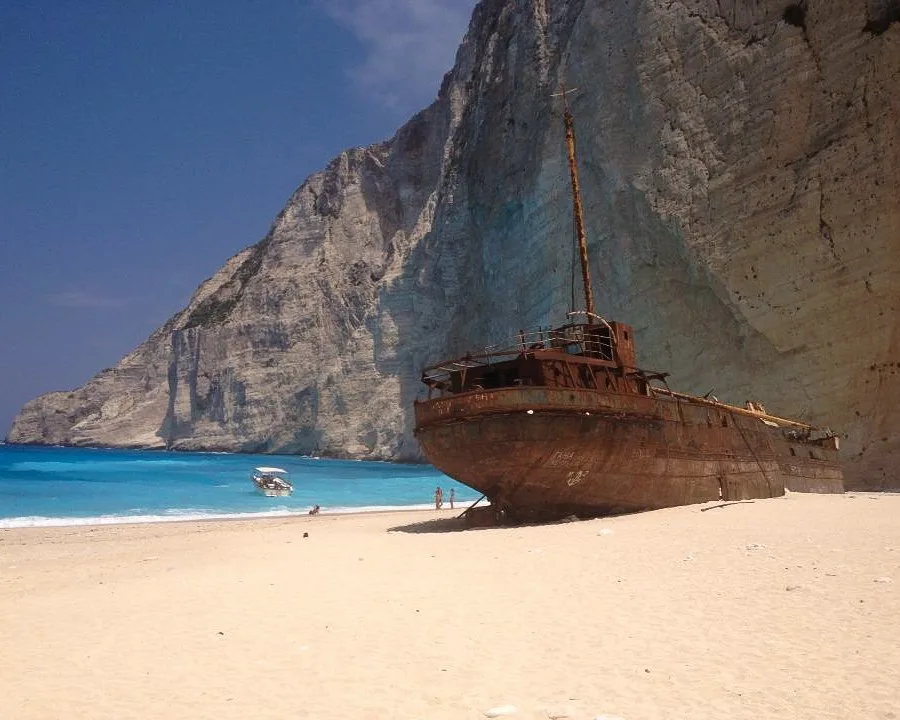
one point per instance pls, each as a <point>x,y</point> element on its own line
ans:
<point>741,168</point>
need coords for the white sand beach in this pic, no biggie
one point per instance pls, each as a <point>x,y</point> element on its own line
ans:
<point>785,608</point>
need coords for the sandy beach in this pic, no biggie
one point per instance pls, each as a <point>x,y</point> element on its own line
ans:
<point>783,608</point>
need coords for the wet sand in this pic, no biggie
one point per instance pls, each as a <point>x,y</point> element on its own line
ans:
<point>783,608</point>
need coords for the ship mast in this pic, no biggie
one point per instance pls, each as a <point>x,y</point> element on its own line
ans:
<point>577,208</point>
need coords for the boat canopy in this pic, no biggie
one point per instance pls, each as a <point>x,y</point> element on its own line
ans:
<point>270,470</point>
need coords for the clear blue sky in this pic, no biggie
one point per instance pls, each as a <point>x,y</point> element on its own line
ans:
<point>144,143</point>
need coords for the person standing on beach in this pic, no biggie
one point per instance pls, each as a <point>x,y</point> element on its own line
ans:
<point>438,498</point>
<point>452,497</point>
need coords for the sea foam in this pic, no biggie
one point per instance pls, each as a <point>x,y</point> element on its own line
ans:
<point>192,515</point>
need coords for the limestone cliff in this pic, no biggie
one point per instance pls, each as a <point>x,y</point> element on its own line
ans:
<point>741,170</point>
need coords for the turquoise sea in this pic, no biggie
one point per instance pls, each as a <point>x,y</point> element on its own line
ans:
<point>76,486</point>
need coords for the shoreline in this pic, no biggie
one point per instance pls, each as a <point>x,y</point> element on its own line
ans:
<point>120,520</point>
<point>405,460</point>
<point>341,511</point>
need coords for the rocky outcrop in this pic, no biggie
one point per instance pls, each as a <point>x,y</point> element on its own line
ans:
<point>741,170</point>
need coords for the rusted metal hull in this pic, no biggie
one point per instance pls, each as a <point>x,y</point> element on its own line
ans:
<point>546,452</point>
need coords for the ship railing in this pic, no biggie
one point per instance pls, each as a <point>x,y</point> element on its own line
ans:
<point>569,338</point>
<point>767,418</point>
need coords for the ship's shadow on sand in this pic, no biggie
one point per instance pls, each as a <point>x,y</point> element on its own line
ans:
<point>459,524</point>
<point>438,525</point>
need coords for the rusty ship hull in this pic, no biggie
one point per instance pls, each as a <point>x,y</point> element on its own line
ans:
<point>544,453</point>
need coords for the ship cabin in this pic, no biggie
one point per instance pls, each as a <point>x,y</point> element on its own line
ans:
<point>596,356</point>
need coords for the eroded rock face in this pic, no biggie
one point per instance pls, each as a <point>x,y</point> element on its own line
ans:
<point>741,173</point>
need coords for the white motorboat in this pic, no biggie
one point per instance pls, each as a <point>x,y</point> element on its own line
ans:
<point>272,481</point>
